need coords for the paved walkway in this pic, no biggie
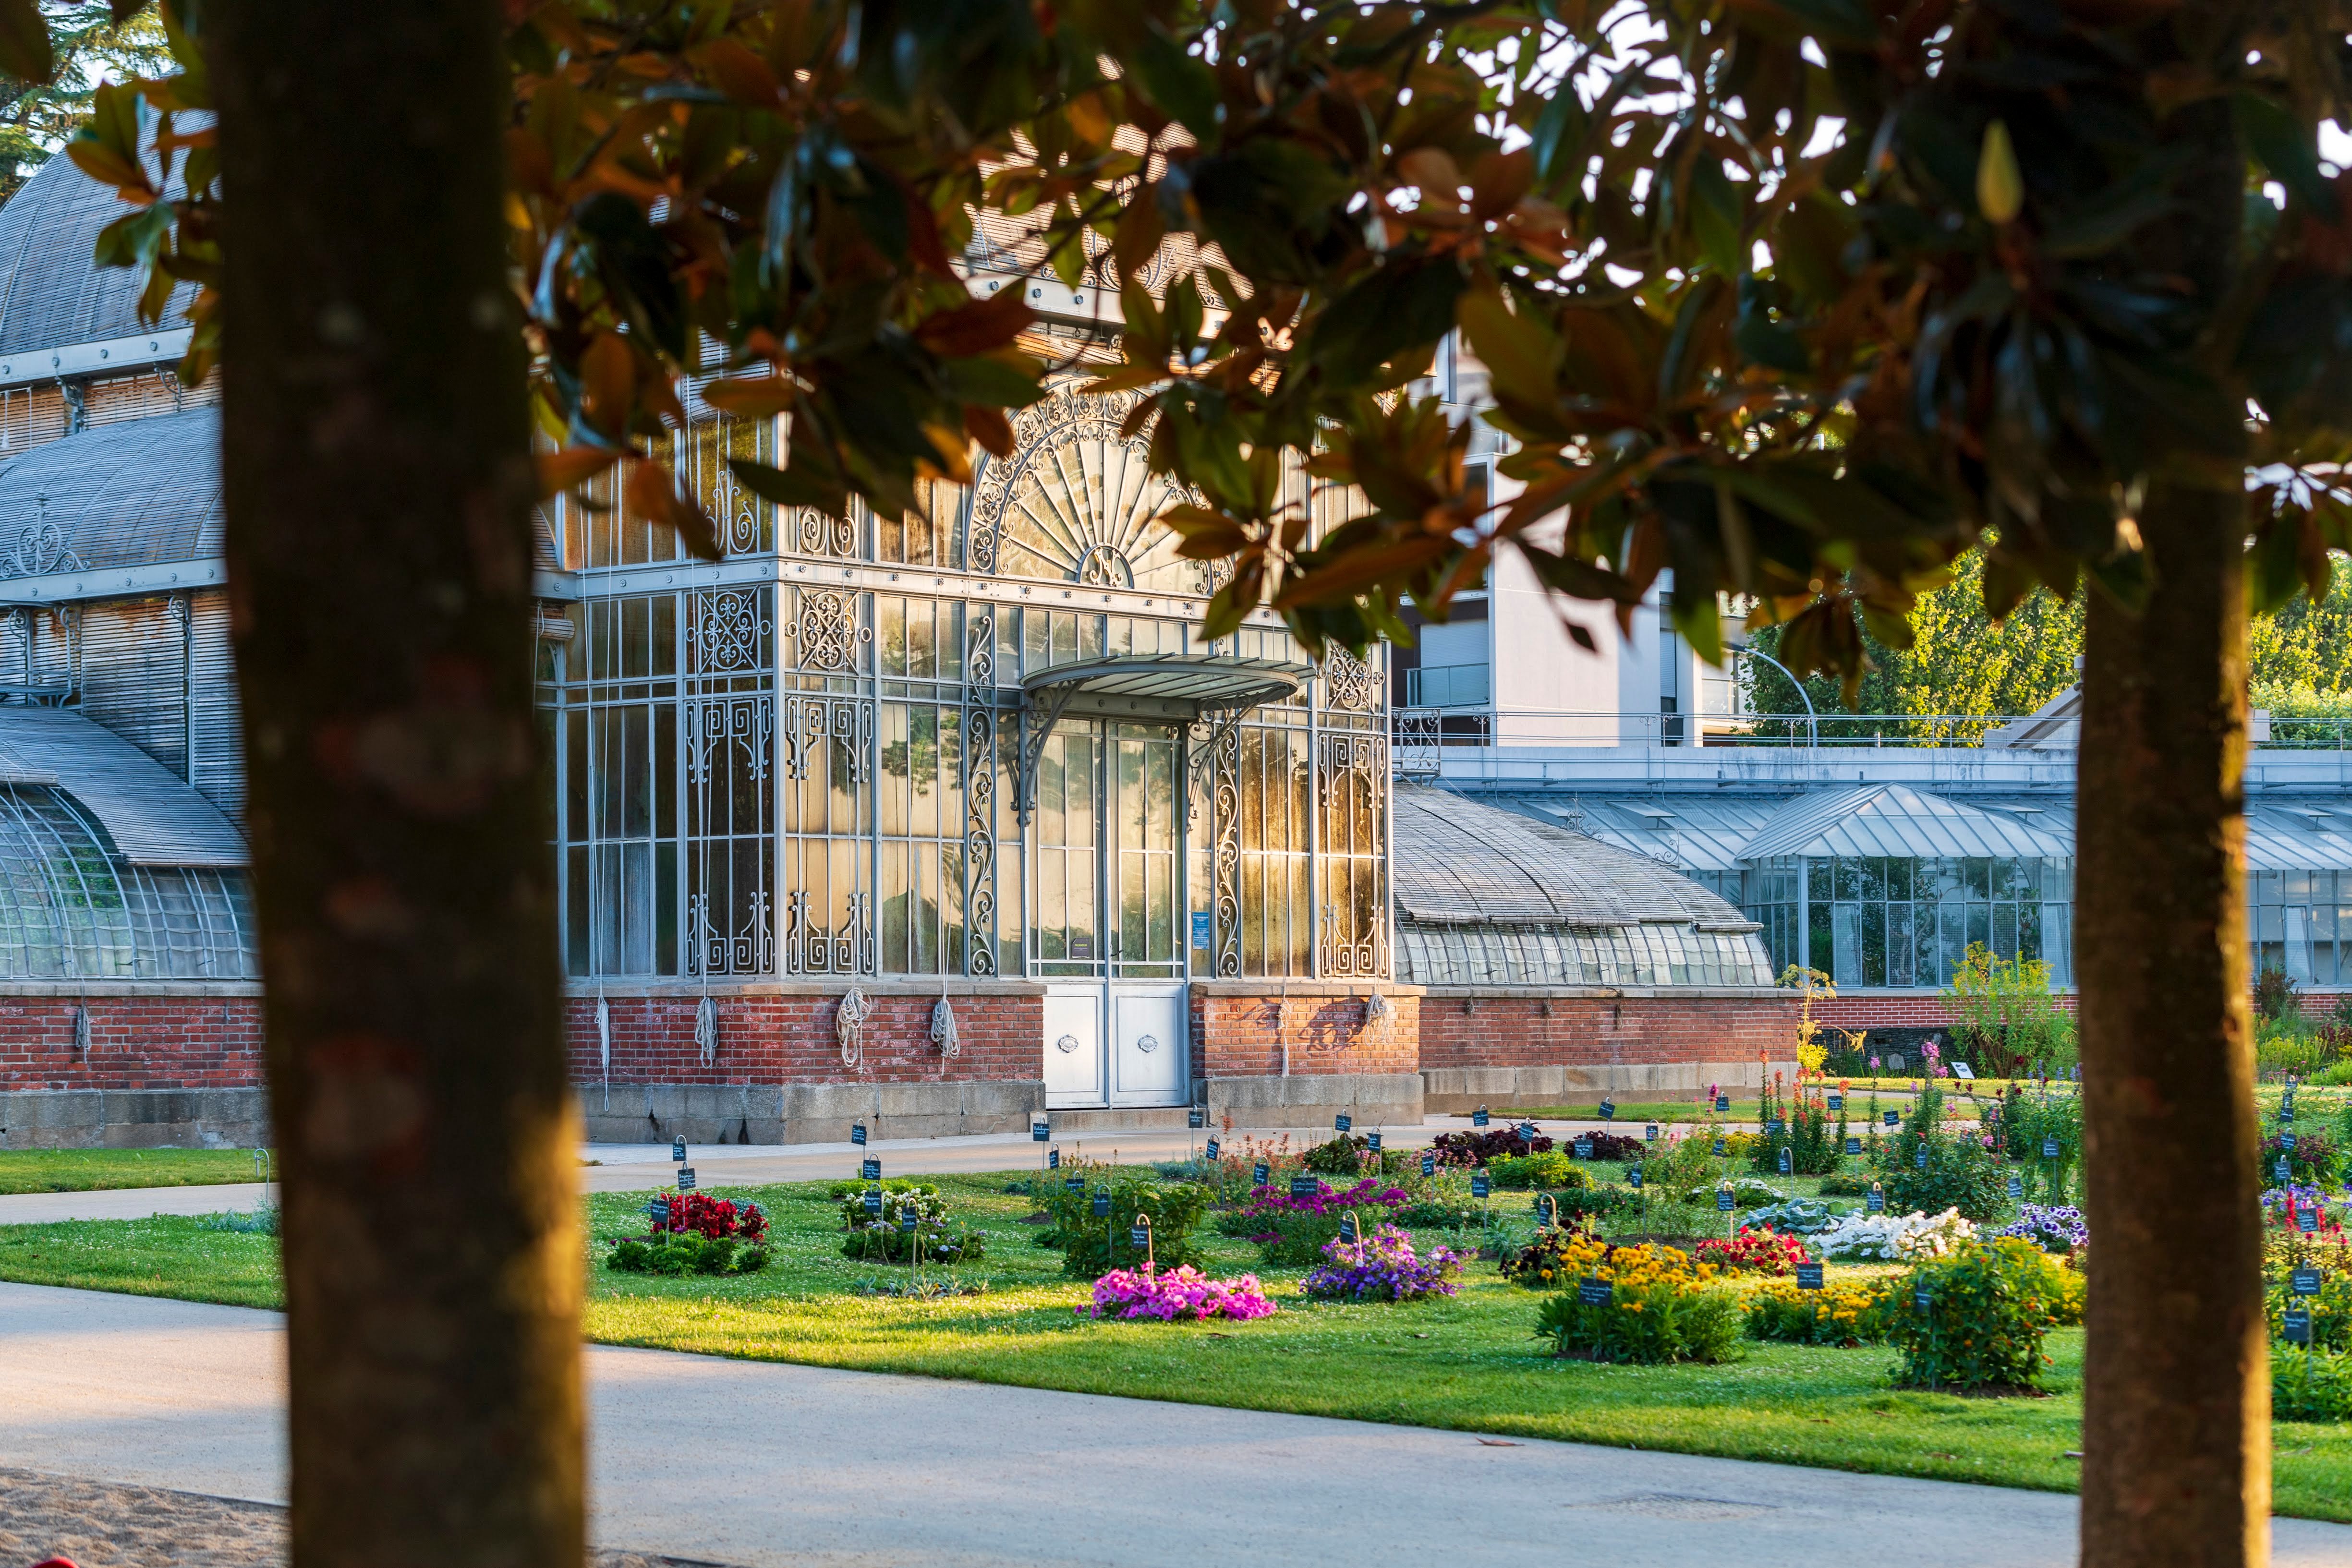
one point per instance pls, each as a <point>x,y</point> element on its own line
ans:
<point>847,1468</point>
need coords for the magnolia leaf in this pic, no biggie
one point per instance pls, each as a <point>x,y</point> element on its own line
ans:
<point>25,51</point>
<point>571,467</point>
<point>976,328</point>
<point>809,481</point>
<point>654,496</point>
<point>757,398</point>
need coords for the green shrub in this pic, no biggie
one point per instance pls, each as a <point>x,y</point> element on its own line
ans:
<point>686,1253</point>
<point>2317,1387</point>
<point>1553,1169</point>
<point>1663,1321</point>
<point>1990,1306</point>
<point>1846,1184</point>
<point>1350,1154</point>
<point>1961,1172</point>
<point>1092,1247</point>
<point>2029,1124</point>
<point>2331,1310</point>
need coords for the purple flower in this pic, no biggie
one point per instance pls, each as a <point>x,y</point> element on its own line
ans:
<point>1382,1266</point>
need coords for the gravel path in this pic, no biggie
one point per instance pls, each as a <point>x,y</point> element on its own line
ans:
<point>103,1524</point>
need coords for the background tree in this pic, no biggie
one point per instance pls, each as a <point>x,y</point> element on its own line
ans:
<point>87,45</point>
<point>1767,296</point>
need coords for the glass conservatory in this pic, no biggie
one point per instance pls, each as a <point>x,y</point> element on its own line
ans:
<point>983,740</point>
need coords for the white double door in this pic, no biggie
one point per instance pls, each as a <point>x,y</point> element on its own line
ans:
<point>1107,925</point>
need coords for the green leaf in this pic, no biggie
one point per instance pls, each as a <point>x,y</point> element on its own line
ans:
<point>1520,353</point>
<point>807,482</point>
<point>25,51</point>
<point>1179,83</point>
<point>1716,214</point>
<point>2285,146</point>
<point>986,379</point>
<point>2000,188</point>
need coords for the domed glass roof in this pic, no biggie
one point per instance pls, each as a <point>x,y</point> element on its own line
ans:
<point>139,493</point>
<point>52,293</point>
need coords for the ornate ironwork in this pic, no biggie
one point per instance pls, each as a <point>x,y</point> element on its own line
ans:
<point>813,949</point>
<point>809,722</point>
<point>728,632</point>
<point>1349,682</point>
<point>1418,734</point>
<point>979,840</point>
<point>1225,862</point>
<point>813,533</point>
<point>1351,772</point>
<point>41,547</point>
<point>730,807</point>
<point>826,634</point>
<point>1076,502</point>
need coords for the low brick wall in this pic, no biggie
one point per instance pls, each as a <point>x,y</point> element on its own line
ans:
<point>1528,1046</point>
<point>140,1037</point>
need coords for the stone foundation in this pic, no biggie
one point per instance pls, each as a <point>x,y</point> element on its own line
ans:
<point>134,1119</point>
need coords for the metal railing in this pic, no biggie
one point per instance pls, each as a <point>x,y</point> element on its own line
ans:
<point>1447,685</point>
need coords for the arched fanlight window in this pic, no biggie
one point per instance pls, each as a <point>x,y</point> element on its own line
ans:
<point>1077,502</point>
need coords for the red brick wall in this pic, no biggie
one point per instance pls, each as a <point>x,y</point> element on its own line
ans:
<point>1593,1031</point>
<point>772,1040</point>
<point>1242,1035</point>
<point>1895,1011</point>
<point>135,1042</point>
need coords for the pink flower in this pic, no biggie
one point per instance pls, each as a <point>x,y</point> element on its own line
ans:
<point>1931,1052</point>
<point>1874,1064</point>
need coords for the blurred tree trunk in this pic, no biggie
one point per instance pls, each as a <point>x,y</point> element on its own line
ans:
<point>2177,1400</point>
<point>379,488</point>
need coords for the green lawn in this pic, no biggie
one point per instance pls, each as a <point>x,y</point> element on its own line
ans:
<point>88,1170</point>
<point>1469,1363</point>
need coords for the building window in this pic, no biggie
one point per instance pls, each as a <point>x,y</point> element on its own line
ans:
<point>1902,924</point>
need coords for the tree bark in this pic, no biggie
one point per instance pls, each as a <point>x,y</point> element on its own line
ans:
<point>2176,1419</point>
<point>378,491</point>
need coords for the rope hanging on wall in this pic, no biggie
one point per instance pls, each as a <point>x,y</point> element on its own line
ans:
<point>81,1031</point>
<point>706,1030</point>
<point>605,1041</point>
<point>1378,1009</point>
<point>943,1029</point>
<point>848,1022</point>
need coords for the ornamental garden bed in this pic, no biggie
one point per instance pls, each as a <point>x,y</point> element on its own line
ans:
<point>1818,1393</point>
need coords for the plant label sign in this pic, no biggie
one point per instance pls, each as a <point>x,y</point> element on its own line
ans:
<point>658,1212</point>
<point>686,1178</point>
<point>1875,1202</point>
<point>1139,1235</point>
<point>1429,1164</point>
<point>1040,1131</point>
<point>1527,1130</point>
<point>1053,1159</point>
<point>2305,1281</point>
<point>1213,1147</point>
<point>1196,1117</point>
<point>678,1151</point>
<point>1342,1123</point>
<point>1372,1142</point>
<point>1722,1104</point>
<point>1633,1177</point>
<point>2286,1142</point>
<point>1721,1148</point>
<point>1894,1119</point>
<point>1481,1185</point>
<point>1584,1147</point>
<point>1960,1071</point>
<point>2286,1109</point>
<point>873,1200</point>
<point>2295,1325</point>
<point>2049,1148</point>
<point>1835,1102</point>
<point>906,1222</point>
<point>857,1134</point>
<point>1608,1110</point>
<point>1650,1133</point>
<point>2307,1219</point>
<point>1348,1228</point>
<point>1854,1145</point>
<point>1593,1293</point>
<point>1203,934</point>
<point>1478,1118</point>
<point>2016,1187</point>
<point>1074,1184</point>
<point>1923,1299</point>
<point>1724,1200</point>
<point>870,1170</point>
<point>1102,1206</point>
<point>2281,1167</point>
<point>1777,1127</point>
<point>1260,1174</point>
<point>1920,1158</point>
<point>1809,1276</point>
<point>1788,1166</point>
<point>1304,1187</point>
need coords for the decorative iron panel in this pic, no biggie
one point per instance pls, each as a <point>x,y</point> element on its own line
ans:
<point>730,857</point>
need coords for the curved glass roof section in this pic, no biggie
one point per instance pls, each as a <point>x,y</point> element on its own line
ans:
<point>1487,897</point>
<point>150,816</point>
<point>1895,821</point>
<point>51,295</point>
<point>1459,862</point>
<point>141,492</point>
<point>72,908</point>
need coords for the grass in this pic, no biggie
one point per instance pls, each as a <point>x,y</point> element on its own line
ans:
<point>1470,1363</point>
<point>91,1170</point>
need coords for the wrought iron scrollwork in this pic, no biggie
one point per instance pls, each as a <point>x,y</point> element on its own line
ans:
<point>826,633</point>
<point>1349,682</point>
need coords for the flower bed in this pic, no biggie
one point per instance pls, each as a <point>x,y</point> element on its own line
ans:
<point>686,1252</point>
<point>1294,1230</point>
<point>884,1237</point>
<point>1382,1266</point>
<point>1558,1258</point>
<point>713,1219</point>
<point>1173,1295</point>
<point>2058,1229</point>
<point>1652,1322</point>
<point>1093,1245</point>
<point>1894,1238</point>
<point>1758,1251</point>
<point>1847,1312</point>
<point>1476,1145</point>
<point>1988,1305</point>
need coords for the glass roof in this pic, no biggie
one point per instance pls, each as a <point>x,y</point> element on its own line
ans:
<point>72,908</point>
<point>149,815</point>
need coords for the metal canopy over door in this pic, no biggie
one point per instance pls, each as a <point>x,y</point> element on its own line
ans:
<point>1106,935</point>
